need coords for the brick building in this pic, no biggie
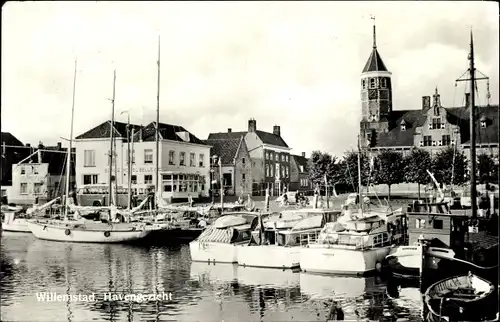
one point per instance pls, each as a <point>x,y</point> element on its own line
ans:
<point>299,174</point>
<point>270,157</point>
<point>432,127</point>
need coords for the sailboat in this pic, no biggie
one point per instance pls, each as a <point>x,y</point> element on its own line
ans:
<point>355,244</point>
<point>81,230</point>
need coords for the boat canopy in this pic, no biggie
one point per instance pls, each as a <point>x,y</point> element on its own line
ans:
<point>215,235</point>
<point>311,222</point>
<point>229,221</point>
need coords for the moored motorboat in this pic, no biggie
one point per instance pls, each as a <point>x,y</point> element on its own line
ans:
<point>461,298</point>
<point>277,240</point>
<point>13,219</point>
<point>218,242</point>
<point>353,245</point>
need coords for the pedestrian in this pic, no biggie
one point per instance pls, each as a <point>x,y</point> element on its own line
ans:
<point>190,200</point>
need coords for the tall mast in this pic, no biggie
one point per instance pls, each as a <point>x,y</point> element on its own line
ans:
<point>359,178</point>
<point>68,162</point>
<point>111,140</point>
<point>158,126</point>
<point>472,71</point>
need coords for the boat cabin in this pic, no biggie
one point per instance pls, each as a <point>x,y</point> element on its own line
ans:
<point>436,222</point>
<point>370,231</point>
<point>293,227</point>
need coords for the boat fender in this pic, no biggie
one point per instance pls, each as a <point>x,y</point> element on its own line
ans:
<point>378,266</point>
<point>67,232</point>
<point>107,233</point>
<point>45,227</point>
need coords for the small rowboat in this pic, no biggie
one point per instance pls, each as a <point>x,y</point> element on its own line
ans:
<point>461,298</point>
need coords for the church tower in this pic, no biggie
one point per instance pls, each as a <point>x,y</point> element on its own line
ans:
<point>376,94</point>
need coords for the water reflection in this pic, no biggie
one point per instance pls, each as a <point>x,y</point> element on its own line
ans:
<point>200,292</point>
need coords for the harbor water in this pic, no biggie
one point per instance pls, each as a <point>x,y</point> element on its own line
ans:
<point>53,281</point>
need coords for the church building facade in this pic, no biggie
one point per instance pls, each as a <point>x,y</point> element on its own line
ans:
<point>432,127</point>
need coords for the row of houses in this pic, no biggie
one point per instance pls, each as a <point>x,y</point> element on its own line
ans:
<point>242,162</point>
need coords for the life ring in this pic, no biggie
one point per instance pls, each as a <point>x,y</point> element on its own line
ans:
<point>107,233</point>
<point>67,232</point>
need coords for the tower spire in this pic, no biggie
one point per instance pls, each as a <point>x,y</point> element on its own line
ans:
<point>374,33</point>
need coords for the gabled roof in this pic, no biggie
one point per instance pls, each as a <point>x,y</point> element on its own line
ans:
<point>103,131</point>
<point>226,148</point>
<point>265,137</point>
<point>167,132</point>
<point>375,63</point>
<point>10,139</point>
<point>455,115</point>
<point>300,161</point>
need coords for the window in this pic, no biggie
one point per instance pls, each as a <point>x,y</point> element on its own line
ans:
<point>243,160</point>
<point>275,156</point>
<point>427,140</point>
<point>301,168</point>
<point>167,177</point>
<point>227,179</point>
<point>89,158</point>
<point>24,188</point>
<point>37,188</point>
<point>148,156</point>
<point>403,127</point>
<point>483,124</point>
<point>282,158</point>
<point>182,158</point>
<point>35,169</point>
<point>23,170</point>
<point>446,140</point>
<point>420,223</point>
<point>148,178</point>
<point>201,161</point>
<point>372,83</point>
<point>167,188</point>
<point>437,224</point>
<point>436,123</point>
<point>192,159</point>
<point>243,177</point>
<point>266,155</point>
<point>90,178</point>
<point>383,83</point>
<point>286,172</point>
<point>171,157</point>
<point>268,174</point>
<point>363,83</point>
<point>133,179</point>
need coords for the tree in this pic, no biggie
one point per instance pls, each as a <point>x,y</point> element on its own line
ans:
<point>321,164</point>
<point>445,166</point>
<point>486,168</point>
<point>349,169</point>
<point>416,165</point>
<point>389,168</point>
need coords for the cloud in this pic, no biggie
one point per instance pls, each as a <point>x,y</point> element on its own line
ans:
<point>295,64</point>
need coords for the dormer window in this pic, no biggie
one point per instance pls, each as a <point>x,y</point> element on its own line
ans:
<point>483,124</point>
<point>383,82</point>
<point>372,82</point>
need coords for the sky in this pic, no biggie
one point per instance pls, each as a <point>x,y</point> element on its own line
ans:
<point>293,64</point>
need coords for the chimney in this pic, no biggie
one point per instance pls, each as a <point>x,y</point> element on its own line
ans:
<point>59,146</point>
<point>276,130</point>
<point>426,102</point>
<point>229,130</point>
<point>303,154</point>
<point>252,125</point>
<point>467,99</point>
